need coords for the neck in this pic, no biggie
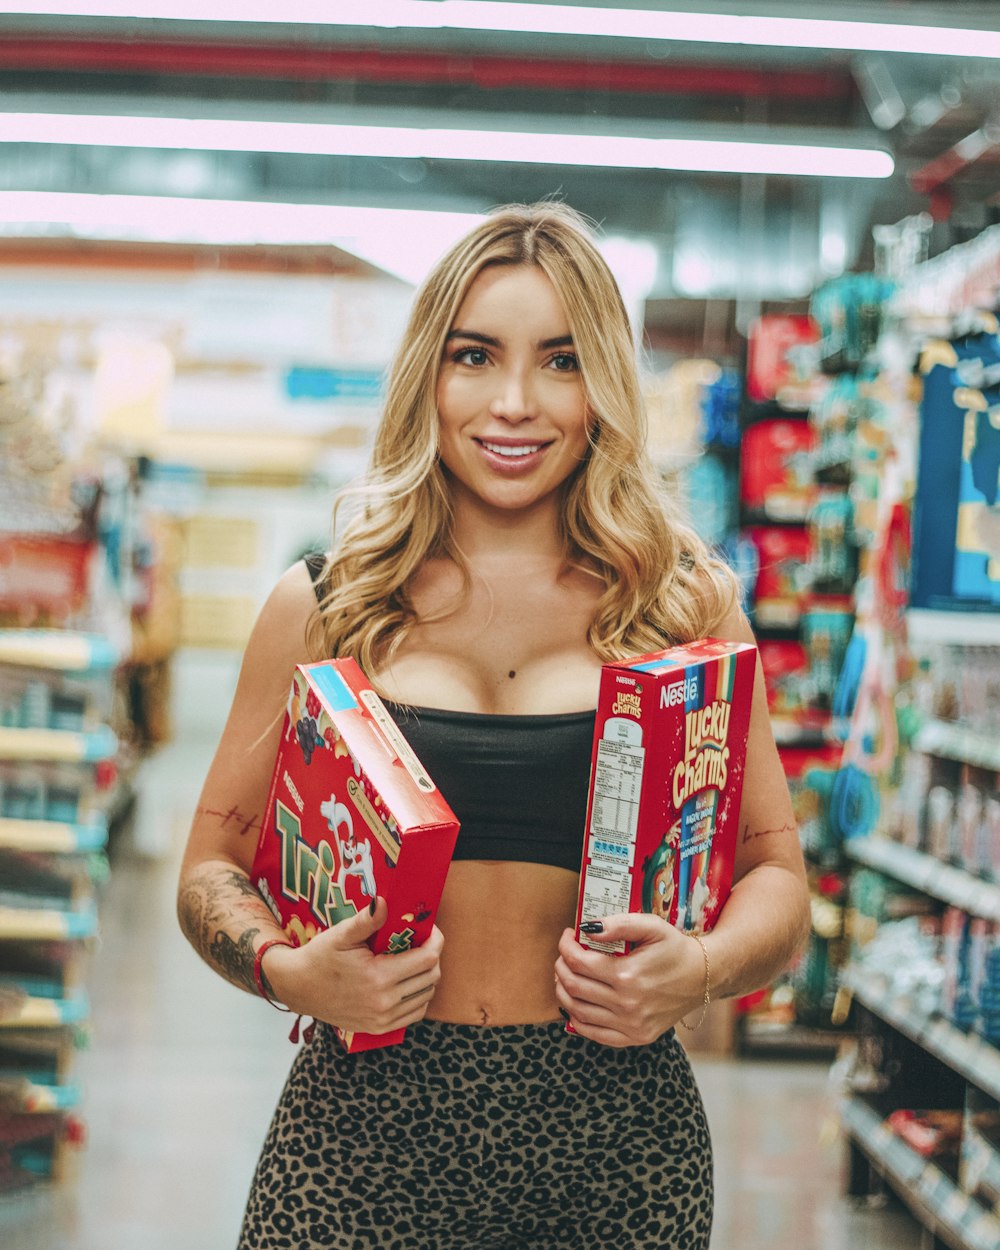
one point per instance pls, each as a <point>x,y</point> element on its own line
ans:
<point>530,534</point>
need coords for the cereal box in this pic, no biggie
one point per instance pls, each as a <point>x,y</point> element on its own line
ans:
<point>351,814</point>
<point>665,783</point>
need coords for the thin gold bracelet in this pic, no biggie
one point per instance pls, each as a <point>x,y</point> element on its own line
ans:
<point>707,999</point>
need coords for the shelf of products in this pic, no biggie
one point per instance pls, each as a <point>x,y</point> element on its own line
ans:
<point>923,1103</point>
<point>929,875</point>
<point>968,1054</point>
<point>933,1197</point>
<point>798,554</point>
<point>58,766</point>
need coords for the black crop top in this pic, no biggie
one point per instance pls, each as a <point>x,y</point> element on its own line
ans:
<point>518,784</point>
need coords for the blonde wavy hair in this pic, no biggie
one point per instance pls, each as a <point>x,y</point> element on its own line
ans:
<point>661,583</point>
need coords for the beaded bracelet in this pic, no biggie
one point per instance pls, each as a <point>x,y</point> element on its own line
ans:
<point>707,999</point>
<point>258,971</point>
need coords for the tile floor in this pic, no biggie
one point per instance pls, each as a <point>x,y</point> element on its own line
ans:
<point>182,1074</point>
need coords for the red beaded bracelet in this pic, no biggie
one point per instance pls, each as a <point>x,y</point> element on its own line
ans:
<point>258,973</point>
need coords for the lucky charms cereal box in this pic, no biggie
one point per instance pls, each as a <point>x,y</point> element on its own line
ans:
<point>665,785</point>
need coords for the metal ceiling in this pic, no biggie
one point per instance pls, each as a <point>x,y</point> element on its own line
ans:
<point>716,235</point>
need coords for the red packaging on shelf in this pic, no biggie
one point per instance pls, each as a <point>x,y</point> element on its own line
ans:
<point>351,814</point>
<point>665,785</point>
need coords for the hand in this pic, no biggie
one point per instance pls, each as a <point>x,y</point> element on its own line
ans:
<point>630,1000</point>
<point>336,978</point>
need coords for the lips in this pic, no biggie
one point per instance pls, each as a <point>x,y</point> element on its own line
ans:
<point>510,451</point>
<point>511,456</point>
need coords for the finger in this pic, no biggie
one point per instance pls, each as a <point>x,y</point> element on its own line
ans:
<point>425,992</point>
<point>606,1036</point>
<point>356,930</point>
<point>633,927</point>
<point>398,969</point>
<point>582,1011</point>
<point>583,988</point>
<point>412,986</point>
<point>590,965</point>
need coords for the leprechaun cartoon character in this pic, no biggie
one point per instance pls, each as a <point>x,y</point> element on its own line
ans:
<point>658,874</point>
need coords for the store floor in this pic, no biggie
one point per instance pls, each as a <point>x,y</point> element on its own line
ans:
<point>182,1074</point>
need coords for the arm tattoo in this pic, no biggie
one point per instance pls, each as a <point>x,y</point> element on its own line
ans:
<point>222,915</point>
<point>235,959</point>
<point>233,819</point>
<point>763,833</point>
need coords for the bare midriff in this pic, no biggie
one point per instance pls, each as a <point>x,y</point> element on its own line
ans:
<point>502,922</point>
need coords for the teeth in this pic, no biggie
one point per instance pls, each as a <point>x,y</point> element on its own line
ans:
<point>526,449</point>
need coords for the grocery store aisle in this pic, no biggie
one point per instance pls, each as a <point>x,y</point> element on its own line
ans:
<point>182,1074</point>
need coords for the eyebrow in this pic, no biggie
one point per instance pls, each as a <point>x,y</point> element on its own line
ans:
<point>565,340</point>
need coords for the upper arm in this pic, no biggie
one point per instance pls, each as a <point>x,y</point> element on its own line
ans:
<point>767,831</point>
<point>227,822</point>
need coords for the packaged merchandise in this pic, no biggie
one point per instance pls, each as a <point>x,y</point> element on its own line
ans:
<point>810,773</point>
<point>979,1165</point>
<point>666,781</point>
<point>782,359</point>
<point>783,574</point>
<point>351,815</point>
<point>777,473</point>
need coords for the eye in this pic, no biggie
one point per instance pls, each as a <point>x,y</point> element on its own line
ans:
<point>565,362</point>
<point>475,356</point>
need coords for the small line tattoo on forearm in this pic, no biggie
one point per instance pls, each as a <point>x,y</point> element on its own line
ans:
<point>247,824</point>
<point>749,836</point>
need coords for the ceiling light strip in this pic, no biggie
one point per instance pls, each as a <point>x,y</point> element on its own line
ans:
<point>556,19</point>
<point>404,242</point>
<point>522,147</point>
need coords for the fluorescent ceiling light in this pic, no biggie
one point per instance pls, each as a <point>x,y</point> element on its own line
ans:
<point>404,242</point>
<point>315,138</point>
<point>556,19</point>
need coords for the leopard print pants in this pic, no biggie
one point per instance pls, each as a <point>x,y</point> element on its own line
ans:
<point>468,1138</point>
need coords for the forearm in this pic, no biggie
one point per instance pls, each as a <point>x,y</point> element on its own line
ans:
<point>225,919</point>
<point>763,925</point>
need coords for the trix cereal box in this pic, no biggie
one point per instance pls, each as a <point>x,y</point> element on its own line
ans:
<point>665,783</point>
<point>351,814</point>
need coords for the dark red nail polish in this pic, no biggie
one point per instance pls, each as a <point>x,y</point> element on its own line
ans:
<point>592,926</point>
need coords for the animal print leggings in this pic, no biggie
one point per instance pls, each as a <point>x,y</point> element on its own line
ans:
<point>468,1138</point>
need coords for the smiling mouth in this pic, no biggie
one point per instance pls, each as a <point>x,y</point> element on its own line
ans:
<point>511,451</point>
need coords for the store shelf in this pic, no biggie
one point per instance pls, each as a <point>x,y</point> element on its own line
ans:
<point>924,872</point>
<point>51,836</point>
<point>46,924</point>
<point>788,1039</point>
<point>34,1095</point>
<point>30,1012</point>
<point>966,1053</point>
<point>955,742</point>
<point>926,625</point>
<point>60,650</point>
<point>58,745</point>
<point>933,1197</point>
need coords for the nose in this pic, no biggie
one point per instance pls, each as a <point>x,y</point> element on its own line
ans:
<point>515,398</point>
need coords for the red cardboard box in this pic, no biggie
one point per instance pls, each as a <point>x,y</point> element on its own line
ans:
<point>351,814</point>
<point>665,784</point>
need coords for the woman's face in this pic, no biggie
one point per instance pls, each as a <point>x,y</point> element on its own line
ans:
<point>510,398</point>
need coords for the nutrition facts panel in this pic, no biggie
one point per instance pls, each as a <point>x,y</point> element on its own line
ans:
<point>614,815</point>
<point>606,892</point>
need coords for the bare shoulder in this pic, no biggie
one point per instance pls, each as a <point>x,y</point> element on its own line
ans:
<point>734,626</point>
<point>279,633</point>
<point>277,643</point>
<point>235,789</point>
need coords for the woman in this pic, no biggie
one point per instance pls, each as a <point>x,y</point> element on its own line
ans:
<point>510,538</point>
